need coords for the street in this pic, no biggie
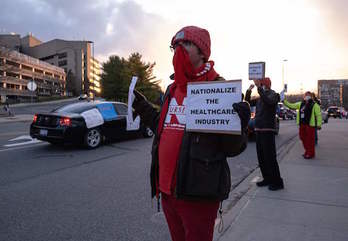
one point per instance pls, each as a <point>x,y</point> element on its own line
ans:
<point>70,193</point>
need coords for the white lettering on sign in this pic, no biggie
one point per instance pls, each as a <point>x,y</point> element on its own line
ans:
<point>209,107</point>
<point>257,70</point>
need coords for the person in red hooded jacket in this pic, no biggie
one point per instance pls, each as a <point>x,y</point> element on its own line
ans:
<point>189,169</point>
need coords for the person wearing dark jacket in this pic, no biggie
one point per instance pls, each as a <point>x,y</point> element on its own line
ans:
<point>189,169</point>
<point>266,107</point>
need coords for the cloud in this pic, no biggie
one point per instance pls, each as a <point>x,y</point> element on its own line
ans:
<point>115,27</point>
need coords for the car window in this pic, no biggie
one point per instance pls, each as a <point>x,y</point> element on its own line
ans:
<point>121,109</point>
<point>75,108</point>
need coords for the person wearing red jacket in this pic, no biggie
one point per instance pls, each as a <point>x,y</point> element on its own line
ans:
<point>189,169</point>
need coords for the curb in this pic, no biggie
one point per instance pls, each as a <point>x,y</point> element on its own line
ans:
<point>244,191</point>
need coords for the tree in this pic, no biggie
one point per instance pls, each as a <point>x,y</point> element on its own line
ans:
<point>117,74</point>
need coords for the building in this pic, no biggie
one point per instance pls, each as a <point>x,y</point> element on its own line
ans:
<point>76,57</point>
<point>17,69</point>
<point>333,92</point>
<point>96,71</point>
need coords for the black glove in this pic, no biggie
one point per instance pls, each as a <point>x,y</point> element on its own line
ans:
<point>138,96</point>
<point>243,111</point>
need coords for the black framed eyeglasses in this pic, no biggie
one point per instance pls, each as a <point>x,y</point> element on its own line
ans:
<point>184,43</point>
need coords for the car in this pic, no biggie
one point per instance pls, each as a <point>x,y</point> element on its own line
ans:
<point>87,123</point>
<point>251,124</point>
<point>334,111</point>
<point>285,113</point>
<point>83,97</point>
<point>324,116</point>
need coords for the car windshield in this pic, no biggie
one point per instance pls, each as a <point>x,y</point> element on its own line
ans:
<point>75,108</point>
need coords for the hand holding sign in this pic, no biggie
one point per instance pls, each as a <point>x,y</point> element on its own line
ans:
<point>251,87</point>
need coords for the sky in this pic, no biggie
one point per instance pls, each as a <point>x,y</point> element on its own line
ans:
<point>311,35</point>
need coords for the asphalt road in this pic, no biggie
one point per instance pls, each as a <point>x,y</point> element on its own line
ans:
<point>69,193</point>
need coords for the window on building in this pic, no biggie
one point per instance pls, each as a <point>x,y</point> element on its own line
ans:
<point>40,81</point>
<point>26,77</point>
<point>14,64</point>
<point>48,74</point>
<point>38,71</point>
<point>26,67</point>
<point>1,73</point>
<point>47,57</point>
<point>12,74</point>
<point>62,55</point>
<point>2,61</point>
<point>62,62</point>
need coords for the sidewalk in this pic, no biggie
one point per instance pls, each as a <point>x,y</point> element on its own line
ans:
<point>312,207</point>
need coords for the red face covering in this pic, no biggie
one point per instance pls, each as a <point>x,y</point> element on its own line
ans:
<point>185,71</point>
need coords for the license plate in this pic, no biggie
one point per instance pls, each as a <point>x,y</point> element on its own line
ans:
<point>43,132</point>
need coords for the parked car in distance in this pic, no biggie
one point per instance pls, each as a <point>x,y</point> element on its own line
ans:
<point>324,116</point>
<point>87,123</point>
<point>334,111</point>
<point>285,113</point>
<point>251,124</point>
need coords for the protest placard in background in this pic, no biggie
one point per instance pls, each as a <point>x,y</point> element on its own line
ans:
<point>209,106</point>
<point>257,70</point>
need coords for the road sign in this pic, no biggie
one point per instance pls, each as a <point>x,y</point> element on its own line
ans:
<point>32,86</point>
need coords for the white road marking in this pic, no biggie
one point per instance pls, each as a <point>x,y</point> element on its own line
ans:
<point>24,137</point>
<point>28,141</point>
<point>22,147</point>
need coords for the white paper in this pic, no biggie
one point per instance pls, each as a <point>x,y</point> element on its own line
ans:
<point>92,118</point>
<point>209,107</point>
<point>282,95</point>
<point>131,123</point>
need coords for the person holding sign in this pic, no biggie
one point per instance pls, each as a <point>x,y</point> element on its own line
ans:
<point>266,106</point>
<point>189,169</point>
<point>308,118</point>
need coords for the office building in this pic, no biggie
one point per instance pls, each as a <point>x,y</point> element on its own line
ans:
<point>17,69</point>
<point>76,57</point>
<point>333,92</point>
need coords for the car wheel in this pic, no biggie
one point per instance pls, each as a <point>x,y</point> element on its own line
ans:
<point>148,132</point>
<point>93,138</point>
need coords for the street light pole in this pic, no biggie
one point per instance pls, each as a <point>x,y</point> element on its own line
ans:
<point>283,81</point>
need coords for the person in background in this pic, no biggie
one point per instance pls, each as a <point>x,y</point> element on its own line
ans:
<point>189,170</point>
<point>265,117</point>
<point>308,118</point>
<point>316,100</point>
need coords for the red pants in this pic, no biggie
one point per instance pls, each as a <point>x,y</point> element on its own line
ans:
<point>189,220</point>
<point>307,136</point>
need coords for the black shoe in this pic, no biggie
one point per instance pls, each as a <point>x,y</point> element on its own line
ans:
<point>262,183</point>
<point>275,187</point>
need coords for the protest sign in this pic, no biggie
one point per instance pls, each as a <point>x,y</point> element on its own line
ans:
<point>131,123</point>
<point>257,70</point>
<point>209,106</point>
